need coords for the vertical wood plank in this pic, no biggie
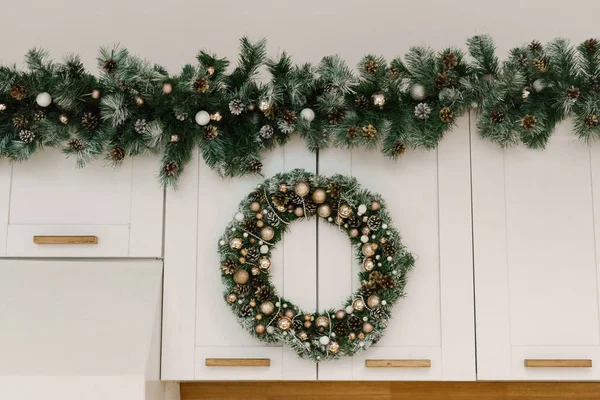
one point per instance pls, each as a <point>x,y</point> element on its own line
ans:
<point>456,257</point>
<point>179,293</point>
<point>594,151</point>
<point>5,187</point>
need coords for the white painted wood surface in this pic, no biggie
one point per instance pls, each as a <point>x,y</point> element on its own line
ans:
<point>49,195</point>
<point>536,277</point>
<point>428,195</point>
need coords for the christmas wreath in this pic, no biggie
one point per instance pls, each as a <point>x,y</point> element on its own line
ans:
<point>260,223</point>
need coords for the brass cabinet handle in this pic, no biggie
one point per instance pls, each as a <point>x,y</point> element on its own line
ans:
<point>238,362</point>
<point>398,363</point>
<point>562,363</point>
<point>65,239</point>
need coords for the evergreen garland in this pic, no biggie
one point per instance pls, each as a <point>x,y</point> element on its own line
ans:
<point>136,107</point>
<point>263,217</point>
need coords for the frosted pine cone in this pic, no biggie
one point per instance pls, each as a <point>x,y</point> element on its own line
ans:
<point>236,106</point>
<point>141,126</point>
<point>181,116</point>
<point>422,111</point>
<point>76,144</point>
<point>266,132</point>
<point>26,136</point>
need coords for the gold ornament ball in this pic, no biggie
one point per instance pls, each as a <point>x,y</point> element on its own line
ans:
<point>258,317</point>
<point>302,189</point>
<point>260,224</point>
<point>2,107</point>
<point>302,335</point>
<point>361,336</point>
<point>368,264</point>
<point>63,119</point>
<point>167,88</point>
<point>231,298</point>
<point>365,218</point>
<point>345,211</point>
<point>307,317</point>
<point>95,94</point>
<point>358,304</point>
<point>266,308</point>
<point>244,252</point>
<point>216,116</point>
<point>299,211</point>
<point>210,70</point>
<point>373,301</point>
<point>307,324</point>
<point>334,347</point>
<point>366,230</point>
<point>260,328</point>
<point>322,321</point>
<point>242,260</point>
<point>324,210</point>
<point>255,271</point>
<point>352,336</point>
<point>289,314</point>
<point>283,187</point>
<point>383,240</point>
<point>353,232</point>
<point>241,276</point>
<point>369,249</point>
<point>251,107</point>
<point>338,221</point>
<point>264,263</point>
<point>236,243</point>
<point>375,206</point>
<point>259,216</point>
<point>340,314</point>
<point>319,196</point>
<point>284,323</point>
<point>252,303</point>
<point>255,206</point>
<point>139,101</point>
<point>367,327</point>
<point>267,233</point>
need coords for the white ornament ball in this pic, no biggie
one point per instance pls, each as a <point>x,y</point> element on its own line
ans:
<point>349,310</point>
<point>417,92</point>
<point>361,343</point>
<point>364,238</point>
<point>362,209</point>
<point>270,330</point>
<point>324,340</point>
<point>307,114</point>
<point>264,249</point>
<point>239,217</point>
<point>245,234</point>
<point>384,226</point>
<point>43,99</point>
<point>389,258</point>
<point>202,117</point>
<point>383,302</point>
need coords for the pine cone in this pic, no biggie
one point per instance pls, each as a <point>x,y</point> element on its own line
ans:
<point>258,281</point>
<point>171,168</point>
<point>236,106</point>
<point>388,249</point>
<point>110,65</point>
<point>370,66</point>
<point>253,255</point>
<point>541,64</point>
<point>361,102</point>
<point>210,132</point>
<point>336,116</point>
<point>354,221</point>
<point>378,314</point>
<point>242,290</point>
<point>297,325</point>
<point>228,267</point>
<point>90,121</point>
<point>255,166</point>
<point>446,115</point>
<point>246,311</point>
<point>266,132</point>
<point>393,72</point>
<point>442,80</point>
<point>200,85</point>
<point>19,121</point>
<point>280,201</point>
<point>117,154</point>
<point>496,116</point>
<point>39,115</point>
<point>449,60</point>
<point>591,121</point>
<point>334,190</point>
<point>422,111</point>
<point>18,92</point>
<point>272,219</point>
<point>249,225</point>
<point>270,113</point>
<point>369,131</point>
<point>386,282</point>
<point>375,276</point>
<point>399,148</point>
<point>534,45</point>
<point>340,329</point>
<point>76,144</point>
<point>352,132</point>
<point>595,84</point>
<point>374,222</point>
<point>295,200</point>
<point>310,207</point>
<point>289,116</point>
<point>573,93</point>
<point>26,136</point>
<point>263,293</point>
<point>355,323</point>
<point>367,288</point>
<point>140,126</point>
<point>522,60</point>
<point>528,122</point>
<point>591,46</point>
<point>258,196</point>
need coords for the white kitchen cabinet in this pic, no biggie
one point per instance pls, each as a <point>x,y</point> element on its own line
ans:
<point>428,196</point>
<point>535,218</point>
<point>197,322</point>
<point>49,196</point>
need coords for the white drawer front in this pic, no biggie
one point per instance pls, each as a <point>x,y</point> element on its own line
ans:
<point>113,241</point>
<point>273,372</point>
<point>560,353</point>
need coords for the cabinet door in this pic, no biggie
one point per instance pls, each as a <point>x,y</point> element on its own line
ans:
<point>49,196</point>
<point>198,324</point>
<point>428,196</point>
<point>535,248</point>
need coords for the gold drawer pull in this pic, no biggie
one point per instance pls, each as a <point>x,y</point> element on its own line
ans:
<point>238,362</point>
<point>398,363</point>
<point>543,363</point>
<point>65,239</point>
